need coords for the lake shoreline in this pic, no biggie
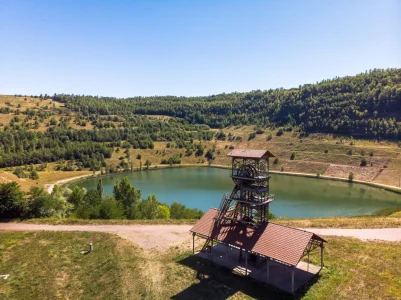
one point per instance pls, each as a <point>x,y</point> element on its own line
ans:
<point>75,179</point>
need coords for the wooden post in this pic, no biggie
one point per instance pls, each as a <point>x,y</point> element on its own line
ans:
<point>193,243</point>
<point>268,270</point>
<point>308,262</point>
<point>211,250</point>
<point>321,255</point>
<point>246,263</point>
<point>292,280</point>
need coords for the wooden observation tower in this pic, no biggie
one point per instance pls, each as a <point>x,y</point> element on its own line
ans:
<point>240,229</point>
<point>249,201</point>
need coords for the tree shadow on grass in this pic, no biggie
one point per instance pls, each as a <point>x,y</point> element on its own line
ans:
<point>219,283</point>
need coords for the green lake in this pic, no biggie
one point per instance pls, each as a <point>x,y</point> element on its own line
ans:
<point>296,197</point>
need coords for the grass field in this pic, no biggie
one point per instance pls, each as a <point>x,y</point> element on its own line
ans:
<point>391,221</point>
<point>50,175</point>
<point>54,268</point>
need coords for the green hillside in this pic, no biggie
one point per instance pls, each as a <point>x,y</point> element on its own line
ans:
<point>368,104</point>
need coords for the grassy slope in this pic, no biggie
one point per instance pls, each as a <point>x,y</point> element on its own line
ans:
<point>310,157</point>
<point>54,268</point>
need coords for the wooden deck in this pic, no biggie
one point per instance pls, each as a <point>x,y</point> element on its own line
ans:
<point>268,272</point>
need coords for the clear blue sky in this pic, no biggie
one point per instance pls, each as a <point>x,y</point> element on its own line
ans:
<point>129,48</point>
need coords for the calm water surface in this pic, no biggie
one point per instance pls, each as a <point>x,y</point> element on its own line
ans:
<point>296,197</point>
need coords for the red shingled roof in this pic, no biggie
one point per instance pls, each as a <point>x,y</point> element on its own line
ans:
<point>247,153</point>
<point>281,243</point>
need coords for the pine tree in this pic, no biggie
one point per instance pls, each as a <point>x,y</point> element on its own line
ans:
<point>100,188</point>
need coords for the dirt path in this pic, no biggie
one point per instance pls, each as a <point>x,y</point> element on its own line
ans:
<point>163,236</point>
<point>145,236</point>
<point>384,234</point>
<point>50,187</point>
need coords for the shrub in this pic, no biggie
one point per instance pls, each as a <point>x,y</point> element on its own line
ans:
<point>209,154</point>
<point>271,216</point>
<point>371,153</point>
<point>260,131</point>
<point>231,147</point>
<point>34,175</point>
<point>221,136</point>
<point>280,132</point>
<point>363,162</point>
<point>351,177</point>
<point>173,160</point>
<point>20,173</point>
<point>326,151</point>
<point>269,137</point>
<point>252,136</point>
<point>139,156</point>
<point>275,162</point>
<point>292,156</point>
<point>349,152</point>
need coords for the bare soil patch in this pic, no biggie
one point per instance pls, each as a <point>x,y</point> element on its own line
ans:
<point>360,173</point>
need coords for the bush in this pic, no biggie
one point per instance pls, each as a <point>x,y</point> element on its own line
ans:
<point>221,136</point>
<point>371,153</point>
<point>175,159</point>
<point>326,151</point>
<point>20,173</point>
<point>271,216</point>
<point>180,211</point>
<point>12,201</point>
<point>275,162</point>
<point>349,152</point>
<point>111,209</point>
<point>209,154</point>
<point>139,156</point>
<point>351,177</point>
<point>260,131</point>
<point>292,156</point>
<point>269,137</point>
<point>231,147</point>
<point>363,162</point>
<point>252,136</point>
<point>280,132</point>
<point>34,175</point>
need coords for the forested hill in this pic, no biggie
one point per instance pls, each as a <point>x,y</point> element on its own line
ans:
<point>368,104</point>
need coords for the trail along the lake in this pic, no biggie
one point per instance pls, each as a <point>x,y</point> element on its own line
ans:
<point>163,236</point>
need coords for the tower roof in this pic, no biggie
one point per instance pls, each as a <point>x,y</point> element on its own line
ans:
<point>248,153</point>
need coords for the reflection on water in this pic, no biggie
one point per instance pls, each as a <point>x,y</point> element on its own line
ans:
<point>296,197</point>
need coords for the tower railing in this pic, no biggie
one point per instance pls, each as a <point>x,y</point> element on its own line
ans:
<point>260,174</point>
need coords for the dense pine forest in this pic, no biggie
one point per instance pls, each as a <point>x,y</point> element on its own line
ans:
<point>21,146</point>
<point>365,105</point>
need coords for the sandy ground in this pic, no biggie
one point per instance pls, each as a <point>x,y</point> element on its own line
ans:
<point>164,236</point>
